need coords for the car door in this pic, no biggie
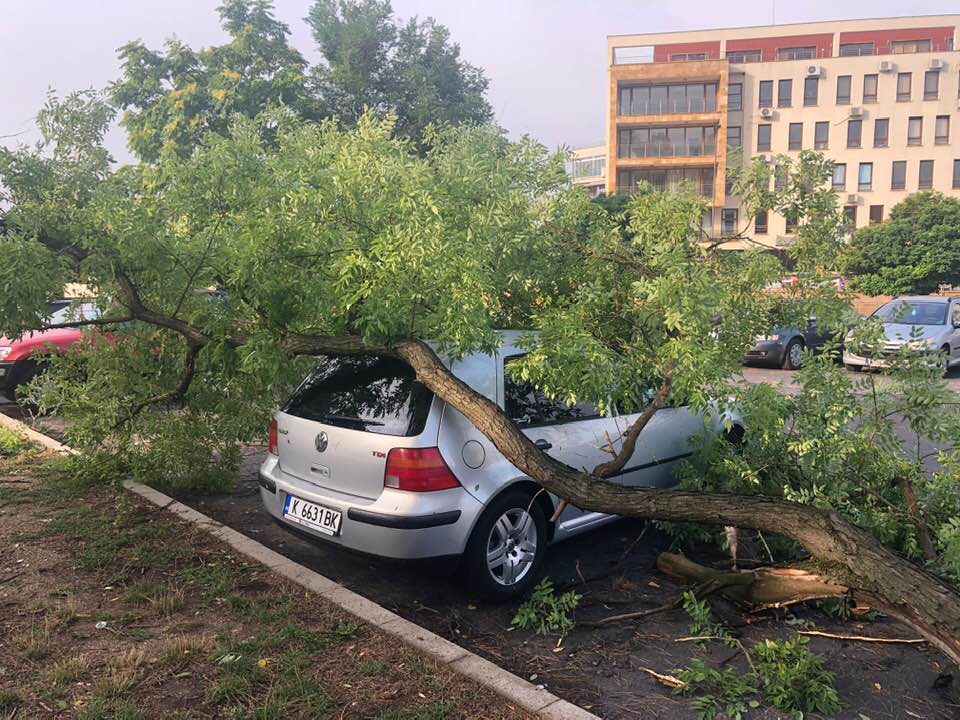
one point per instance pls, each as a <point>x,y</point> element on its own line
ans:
<point>575,435</point>
<point>667,439</point>
<point>953,319</point>
<point>815,336</point>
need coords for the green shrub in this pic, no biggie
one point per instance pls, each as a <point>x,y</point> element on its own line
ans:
<point>545,611</point>
<point>12,443</point>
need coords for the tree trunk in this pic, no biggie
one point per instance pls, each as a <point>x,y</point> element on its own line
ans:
<point>875,575</point>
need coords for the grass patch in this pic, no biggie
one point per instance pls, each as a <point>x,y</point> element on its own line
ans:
<point>66,671</point>
<point>100,708</point>
<point>163,599</point>
<point>372,668</point>
<point>213,580</point>
<point>12,443</point>
<point>431,711</point>
<point>35,643</point>
<point>9,701</point>
<point>172,653</point>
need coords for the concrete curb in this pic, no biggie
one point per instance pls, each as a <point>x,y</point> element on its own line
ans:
<point>505,684</point>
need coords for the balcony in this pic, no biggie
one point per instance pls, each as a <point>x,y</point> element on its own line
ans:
<point>666,149</point>
<point>669,106</point>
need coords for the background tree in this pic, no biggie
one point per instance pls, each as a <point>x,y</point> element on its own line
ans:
<point>914,251</point>
<point>372,60</point>
<point>171,99</point>
<point>334,241</point>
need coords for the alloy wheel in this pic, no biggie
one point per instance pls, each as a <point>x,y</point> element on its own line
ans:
<point>512,546</point>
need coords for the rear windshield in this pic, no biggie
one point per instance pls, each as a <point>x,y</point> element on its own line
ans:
<point>374,394</point>
<point>913,313</point>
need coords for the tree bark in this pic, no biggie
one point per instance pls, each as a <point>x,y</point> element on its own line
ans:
<point>875,575</point>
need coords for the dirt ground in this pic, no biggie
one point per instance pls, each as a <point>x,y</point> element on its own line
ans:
<point>112,610</point>
<point>602,669</point>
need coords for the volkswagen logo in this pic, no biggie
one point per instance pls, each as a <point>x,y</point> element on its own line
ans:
<point>320,441</point>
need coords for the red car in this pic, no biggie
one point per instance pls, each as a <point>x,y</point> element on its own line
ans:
<point>22,360</point>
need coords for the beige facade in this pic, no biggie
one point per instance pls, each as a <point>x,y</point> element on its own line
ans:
<point>816,86</point>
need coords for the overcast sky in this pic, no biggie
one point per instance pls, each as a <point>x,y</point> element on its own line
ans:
<point>545,58</point>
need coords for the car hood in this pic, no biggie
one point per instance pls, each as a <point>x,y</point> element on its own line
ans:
<point>40,336</point>
<point>899,333</point>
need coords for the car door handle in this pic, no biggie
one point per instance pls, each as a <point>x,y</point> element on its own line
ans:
<point>543,444</point>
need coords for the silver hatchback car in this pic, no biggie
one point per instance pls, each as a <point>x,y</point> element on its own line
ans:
<point>364,456</point>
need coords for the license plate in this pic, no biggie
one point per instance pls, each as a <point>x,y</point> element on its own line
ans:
<point>311,515</point>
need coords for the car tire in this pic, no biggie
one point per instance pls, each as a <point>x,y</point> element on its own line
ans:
<point>23,372</point>
<point>792,355</point>
<point>515,526</point>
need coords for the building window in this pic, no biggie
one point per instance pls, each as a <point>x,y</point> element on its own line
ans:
<point>856,49</point>
<point>839,176</point>
<point>734,136</point>
<point>663,180</point>
<point>904,85</point>
<point>763,137</point>
<point>795,137</point>
<point>850,215</point>
<point>898,176</point>
<point>784,93</point>
<point>744,56</point>
<point>881,132</point>
<point>728,221</point>
<point>821,135</point>
<point>666,142</point>
<point>865,177</point>
<point>915,131</point>
<point>931,85</point>
<point>791,224</point>
<point>766,93</point>
<point>735,96</point>
<point>797,53</point>
<point>649,99</point>
<point>780,174</point>
<point>876,214</point>
<point>941,134</point>
<point>854,132</point>
<point>926,175</point>
<point>956,174</point>
<point>902,47</point>
<point>680,57</point>
<point>869,89</point>
<point>843,89</point>
<point>811,91</point>
<point>760,224</point>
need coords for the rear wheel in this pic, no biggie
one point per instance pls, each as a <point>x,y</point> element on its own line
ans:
<point>507,547</point>
<point>793,355</point>
<point>24,372</point>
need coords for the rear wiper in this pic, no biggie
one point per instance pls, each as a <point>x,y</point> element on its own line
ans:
<point>347,419</point>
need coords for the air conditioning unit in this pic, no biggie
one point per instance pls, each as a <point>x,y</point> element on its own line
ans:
<point>856,111</point>
<point>887,66</point>
<point>937,64</point>
<point>814,71</point>
<point>853,199</point>
<point>766,113</point>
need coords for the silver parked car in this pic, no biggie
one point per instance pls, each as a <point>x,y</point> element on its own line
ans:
<point>364,456</point>
<point>919,322</point>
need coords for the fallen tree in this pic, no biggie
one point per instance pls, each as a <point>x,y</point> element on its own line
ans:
<point>333,242</point>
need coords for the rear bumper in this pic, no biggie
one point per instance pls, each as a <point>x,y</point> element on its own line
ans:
<point>399,525</point>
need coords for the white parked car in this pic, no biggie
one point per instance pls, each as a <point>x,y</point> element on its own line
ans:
<point>919,322</point>
<point>364,456</point>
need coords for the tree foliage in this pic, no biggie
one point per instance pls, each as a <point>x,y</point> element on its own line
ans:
<point>172,98</point>
<point>914,251</point>
<point>220,272</point>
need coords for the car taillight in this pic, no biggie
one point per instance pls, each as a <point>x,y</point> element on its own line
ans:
<point>272,443</point>
<point>418,470</point>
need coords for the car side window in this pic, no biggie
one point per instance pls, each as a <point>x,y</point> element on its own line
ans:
<point>529,407</point>
<point>955,317</point>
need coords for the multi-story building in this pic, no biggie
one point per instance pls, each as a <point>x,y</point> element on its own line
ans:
<point>588,168</point>
<point>878,97</point>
